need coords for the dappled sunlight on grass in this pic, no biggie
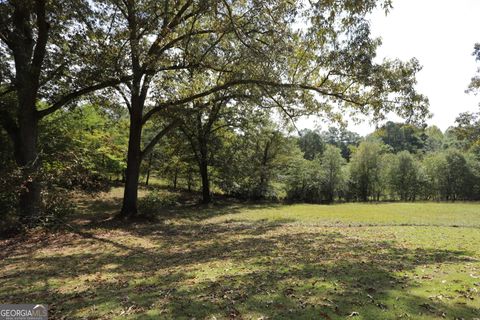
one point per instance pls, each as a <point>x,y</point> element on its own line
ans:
<point>257,262</point>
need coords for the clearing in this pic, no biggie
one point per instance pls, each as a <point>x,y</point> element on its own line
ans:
<point>243,261</point>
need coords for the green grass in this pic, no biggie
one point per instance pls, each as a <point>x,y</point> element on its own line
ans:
<point>437,214</point>
<point>368,261</point>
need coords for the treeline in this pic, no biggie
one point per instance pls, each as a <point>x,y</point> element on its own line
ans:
<point>396,162</point>
<point>249,156</point>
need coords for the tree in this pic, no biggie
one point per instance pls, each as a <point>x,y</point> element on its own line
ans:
<point>311,143</point>
<point>50,52</point>
<point>255,158</point>
<point>467,128</point>
<point>401,136</point>
<point>434,140</point>
<point>174,161</point>
<point>258,48</point>
<point>86,142</point>
<point>451,140</point>
<point>450,175</point>
<point>201,129</point>
<point>331,166</point>
<point>304,181</point>
<point>47,52</point>
<point>341,138</point>
<point>458,175</point>
<point>404,176</point>
<point>475,82</point>
<point>436,168</point>
<point>366,167</point>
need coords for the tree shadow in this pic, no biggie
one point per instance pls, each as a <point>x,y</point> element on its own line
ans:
<point>98,212</point>
<point>228,270</point>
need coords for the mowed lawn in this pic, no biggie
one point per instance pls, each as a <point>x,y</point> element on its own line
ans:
<point>359,261</point>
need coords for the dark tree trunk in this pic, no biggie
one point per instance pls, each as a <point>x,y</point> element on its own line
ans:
<point>132,173</point>
<point>206,197</point>
<point>330,197</point>
<point>25,148</point>
<point>203,165</point>
<point>148,168</point>
<point>175,178</point>
<point>147,178</point>
<point>28,160</point>
<point>263,183</point>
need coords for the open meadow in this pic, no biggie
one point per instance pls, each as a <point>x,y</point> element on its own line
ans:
<point>253,261</point>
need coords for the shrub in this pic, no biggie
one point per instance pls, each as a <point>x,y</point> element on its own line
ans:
<point>154,200</point>
<point>56,206</point>
<point>74,177</point>
<point>10,181</point>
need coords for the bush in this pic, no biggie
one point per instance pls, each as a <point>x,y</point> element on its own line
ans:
<point>154,200</point>
<point>10,182</point>
<point>74,177</point>
<point>56,206</point>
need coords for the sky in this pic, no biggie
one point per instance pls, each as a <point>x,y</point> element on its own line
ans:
<point>441,35</point>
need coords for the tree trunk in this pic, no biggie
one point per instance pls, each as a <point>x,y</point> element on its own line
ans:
<point>26,155</point>
<point>27,159</point>
<point>175,178</point>
<point>330,195</point>
<point>203,166</point>
<point>148,177</point>
<point>148,168</point>
<point>132,173</point>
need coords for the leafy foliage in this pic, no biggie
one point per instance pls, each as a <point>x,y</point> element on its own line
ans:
<point>156,200</point>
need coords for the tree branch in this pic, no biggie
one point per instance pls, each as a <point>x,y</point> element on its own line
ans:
<point>168,27</point>
<point>42,38</point>
<point>157,138</point>
<point>76,94</point>
<point>234,83</point>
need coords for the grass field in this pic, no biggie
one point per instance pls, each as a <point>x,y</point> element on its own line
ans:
<point>239,261</point>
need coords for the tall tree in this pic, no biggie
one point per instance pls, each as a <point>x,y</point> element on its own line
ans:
<point>342,138</point>
<point>47,54</point>
<point>332,164</point>
<point>450,175</point>
<point>257,46</point>
<point>475,82</point>
<point>366,170</point>
<point>311,143</point>
<point>401,136</point>
<point>254,157</point>
<point>434,139</point>
<point>201,129</point>
<point>467,128</point>
<point>404,176</point>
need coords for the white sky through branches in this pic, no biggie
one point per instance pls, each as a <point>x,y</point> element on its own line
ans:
<point>441,35</point>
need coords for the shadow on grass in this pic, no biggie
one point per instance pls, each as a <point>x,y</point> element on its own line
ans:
<point>228,271</point>
<point>99,211</point>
